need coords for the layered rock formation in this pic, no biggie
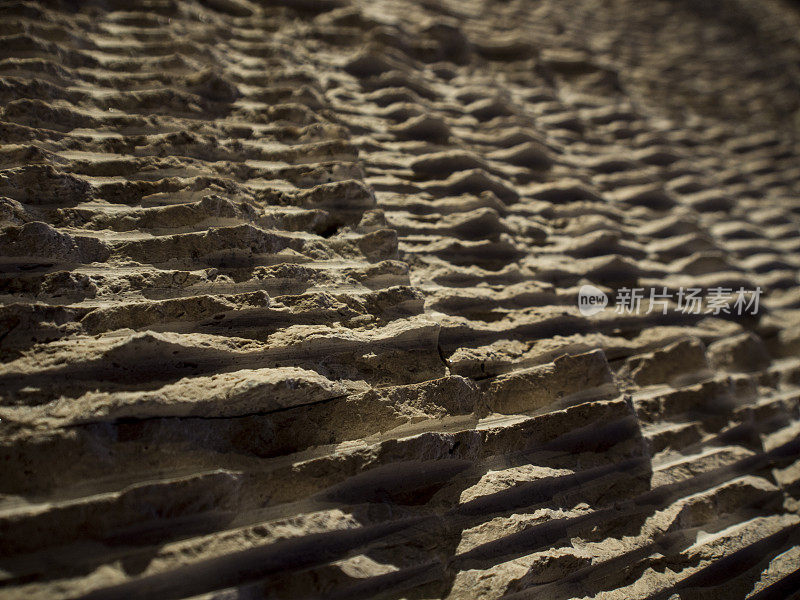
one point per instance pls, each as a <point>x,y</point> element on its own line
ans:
<point>289,299</point>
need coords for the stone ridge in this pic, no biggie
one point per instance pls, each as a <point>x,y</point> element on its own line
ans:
<point>288,299</point>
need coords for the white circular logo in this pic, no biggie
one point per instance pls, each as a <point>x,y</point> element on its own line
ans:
<point>591,300</point>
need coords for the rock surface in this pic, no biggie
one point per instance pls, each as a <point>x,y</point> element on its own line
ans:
<point>288,299</point>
